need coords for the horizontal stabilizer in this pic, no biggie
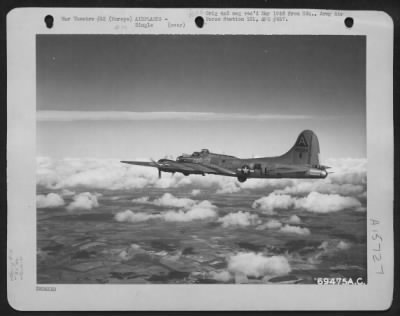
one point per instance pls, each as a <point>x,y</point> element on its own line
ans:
<point>325,167</point>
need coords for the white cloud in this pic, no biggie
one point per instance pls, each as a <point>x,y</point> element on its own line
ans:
<point>169,200</point>
<point>294,219</point>
<point>239,219</point>
<point>342,245</point>
<point>129,216</point>
<point>258,265</point>
<point>50,200</point>
<point>324,203</point>
<point>273,201</point>
<point>195,192</point>
<point>289,229</point>
<point>203,210</point>
<point>271,224</point>
<point>146,116</point>
<point>348,170</point>
<point>221,276</point>
<point>83,201</point>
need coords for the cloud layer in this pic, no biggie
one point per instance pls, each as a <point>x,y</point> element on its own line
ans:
<point>167,200</point>
<point>188,210</point>
<point>313,202</point>
<point>348,179</point>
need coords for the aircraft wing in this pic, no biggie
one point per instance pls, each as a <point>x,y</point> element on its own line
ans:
<point>188,167</point>
<point>176,166</point>
<point>165,165</point>
<point>201,168</point>
<point>141,163</point>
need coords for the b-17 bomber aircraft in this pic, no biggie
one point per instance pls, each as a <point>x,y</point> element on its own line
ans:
<point>301,161</point>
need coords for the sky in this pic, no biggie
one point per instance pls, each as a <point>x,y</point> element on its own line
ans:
<point>147,96</point>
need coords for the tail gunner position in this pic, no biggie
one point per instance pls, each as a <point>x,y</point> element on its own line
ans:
<point>301,161</point>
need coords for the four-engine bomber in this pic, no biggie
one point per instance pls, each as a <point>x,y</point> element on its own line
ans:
<point>301,161</point>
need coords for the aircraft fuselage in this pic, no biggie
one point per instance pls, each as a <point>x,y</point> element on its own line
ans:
<point>268,167</point>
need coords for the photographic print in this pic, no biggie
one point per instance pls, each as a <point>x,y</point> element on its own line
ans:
<point>201,159</point>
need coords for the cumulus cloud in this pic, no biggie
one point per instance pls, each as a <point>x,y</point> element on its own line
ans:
<point>273,201</point>
<point>342,245</point>
<point>271,224</point>
<point>289,229</point>
<point>202,210</point>
<point>294,219</point>
<point>324,203</point>
<point>195,192</point>
<point>258,265</point>
<point>83,201</point>
<point>239,219</point>
<point>348,170</point>
<point>168,200</point>
<point>221,276</point>
<point>129,216</point>
<point>49,201</point>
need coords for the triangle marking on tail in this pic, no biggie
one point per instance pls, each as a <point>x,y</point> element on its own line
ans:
<point>301,142</point>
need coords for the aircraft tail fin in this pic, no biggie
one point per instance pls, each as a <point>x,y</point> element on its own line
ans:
<point>305,149</point>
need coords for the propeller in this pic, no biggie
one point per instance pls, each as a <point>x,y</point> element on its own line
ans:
<point>158,167</point>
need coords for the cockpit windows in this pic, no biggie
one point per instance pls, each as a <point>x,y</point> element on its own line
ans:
<point>201,153</point>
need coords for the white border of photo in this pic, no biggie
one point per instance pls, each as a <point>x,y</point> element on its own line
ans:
<point>23,24</point>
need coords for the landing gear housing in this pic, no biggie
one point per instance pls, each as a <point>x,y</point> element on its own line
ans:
<point>241,178</point>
